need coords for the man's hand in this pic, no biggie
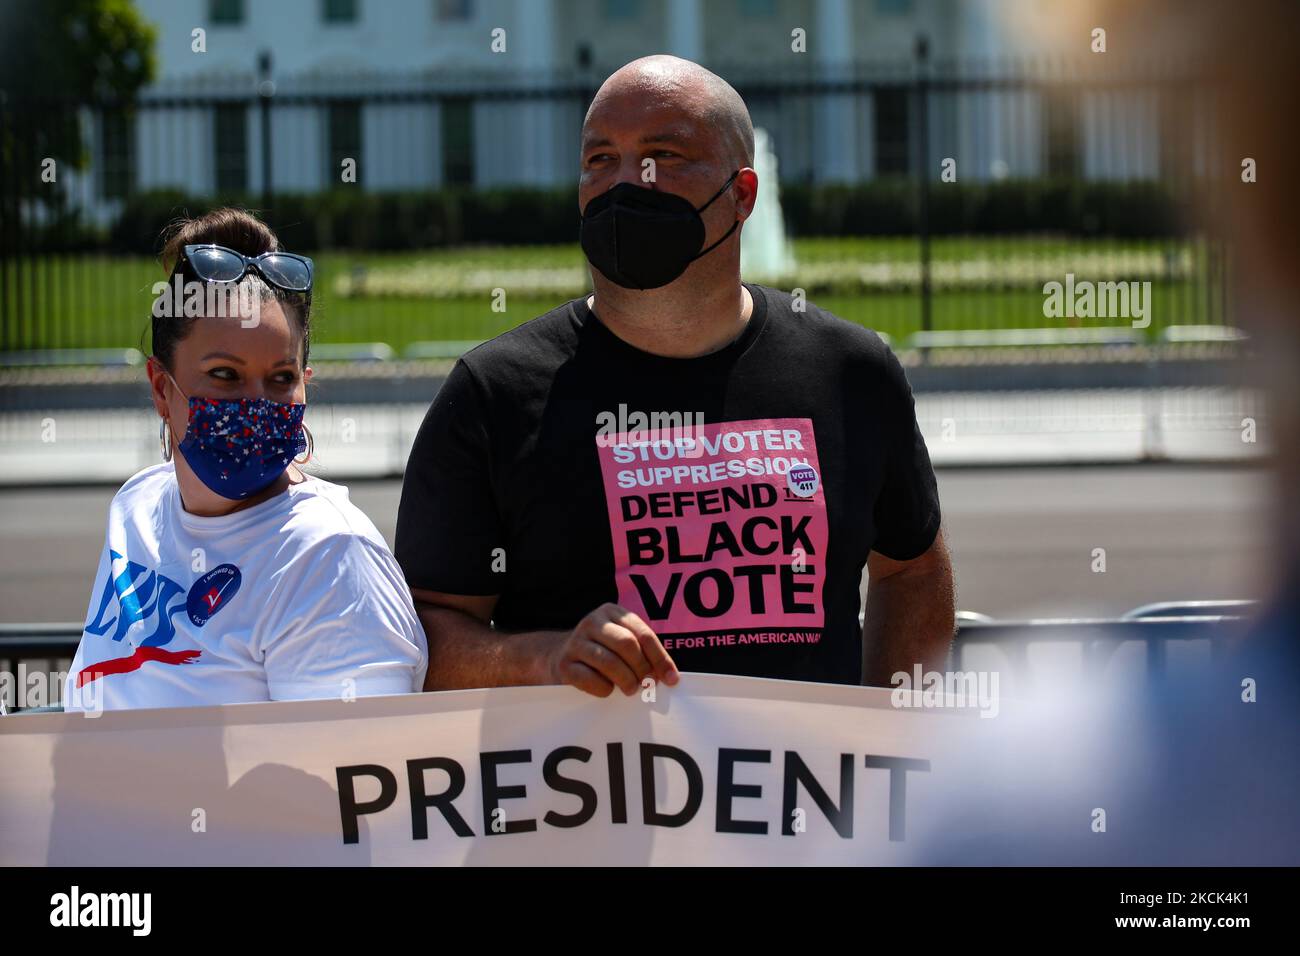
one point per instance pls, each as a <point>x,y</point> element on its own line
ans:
<point>611,647</point>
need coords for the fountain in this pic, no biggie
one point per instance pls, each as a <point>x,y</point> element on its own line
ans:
<point>765,251</point>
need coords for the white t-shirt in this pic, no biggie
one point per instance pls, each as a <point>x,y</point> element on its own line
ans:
<point>295,597</point>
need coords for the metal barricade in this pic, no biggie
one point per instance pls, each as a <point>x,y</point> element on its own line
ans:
<point>28,649</point>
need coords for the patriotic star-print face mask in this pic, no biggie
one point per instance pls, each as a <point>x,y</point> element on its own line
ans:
<point>237,447</point>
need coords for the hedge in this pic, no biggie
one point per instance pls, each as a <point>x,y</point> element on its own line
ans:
<point>351,219</point>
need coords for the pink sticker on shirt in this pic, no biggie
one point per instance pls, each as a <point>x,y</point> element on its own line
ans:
<point>718,527</point>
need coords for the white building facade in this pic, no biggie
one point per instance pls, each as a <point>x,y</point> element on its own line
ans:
<point>430,93</point>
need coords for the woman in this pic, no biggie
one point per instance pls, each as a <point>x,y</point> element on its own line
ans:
<point>229,575</point>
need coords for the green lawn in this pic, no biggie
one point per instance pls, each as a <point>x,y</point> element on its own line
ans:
<point>101,301</point>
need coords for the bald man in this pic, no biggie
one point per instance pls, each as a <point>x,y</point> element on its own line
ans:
<point>682,471</point>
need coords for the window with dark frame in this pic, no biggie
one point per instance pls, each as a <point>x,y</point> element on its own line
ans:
<point>1062,134</point>
<point>457,141</point>
<point>339,11</point>
<point>344,132</point>
<point>622,9</point>
<point>225,12</point>
<point>892,132</point>
<point>230,142</point>
<point>447,10</point>
<point>116,154</point>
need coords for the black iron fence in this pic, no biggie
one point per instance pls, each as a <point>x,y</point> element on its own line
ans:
<point>916,197</point>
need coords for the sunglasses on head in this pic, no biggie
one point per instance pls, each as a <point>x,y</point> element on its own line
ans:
<point>285,270</point>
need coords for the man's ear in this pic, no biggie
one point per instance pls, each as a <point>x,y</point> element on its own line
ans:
<point>749,190</point>
<point>307,373</point>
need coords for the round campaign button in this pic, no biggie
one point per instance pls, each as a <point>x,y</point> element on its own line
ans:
<point>211,593</point>
<point>803,480</point>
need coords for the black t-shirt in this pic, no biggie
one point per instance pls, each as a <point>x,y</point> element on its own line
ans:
<point>730,500</point>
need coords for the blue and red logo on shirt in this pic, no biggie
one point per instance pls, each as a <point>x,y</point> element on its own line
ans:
<point>143,594</point>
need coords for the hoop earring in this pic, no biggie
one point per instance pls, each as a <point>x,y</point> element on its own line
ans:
<point>311,446</point>
<point>162,440</point>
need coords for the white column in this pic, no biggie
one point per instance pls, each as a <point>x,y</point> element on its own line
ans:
<point>535,39</point>
<point>685,29</point>
<point>831,44</point>
<point>534,141</point>
<point>983,143</point>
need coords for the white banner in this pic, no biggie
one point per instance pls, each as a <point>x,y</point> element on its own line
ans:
<point>718,770</point>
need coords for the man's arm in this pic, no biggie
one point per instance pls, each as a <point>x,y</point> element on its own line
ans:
<point>611,647</point>
<point>911,614</point>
